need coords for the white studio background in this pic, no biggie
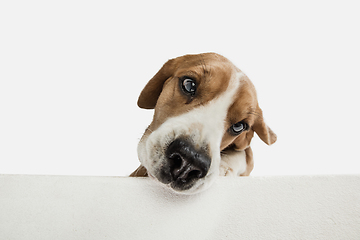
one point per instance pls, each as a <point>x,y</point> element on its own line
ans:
<point>71,72</point>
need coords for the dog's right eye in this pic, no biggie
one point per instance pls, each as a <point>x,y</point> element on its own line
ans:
<point>188,85</point>
<point>238,128</point>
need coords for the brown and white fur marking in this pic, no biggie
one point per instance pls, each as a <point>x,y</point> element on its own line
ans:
<point>192,137</point>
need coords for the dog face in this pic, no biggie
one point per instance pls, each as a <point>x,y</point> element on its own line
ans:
<point>203,105</point>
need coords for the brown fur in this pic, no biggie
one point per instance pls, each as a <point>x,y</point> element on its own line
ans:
<point>212,73</point>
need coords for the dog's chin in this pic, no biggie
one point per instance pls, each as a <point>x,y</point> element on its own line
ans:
<point>179,187</point>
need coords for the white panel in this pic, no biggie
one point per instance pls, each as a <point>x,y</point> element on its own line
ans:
<point>68,207</point>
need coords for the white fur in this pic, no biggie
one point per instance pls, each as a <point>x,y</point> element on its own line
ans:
<point>204,125</point>
<point>233,163</point>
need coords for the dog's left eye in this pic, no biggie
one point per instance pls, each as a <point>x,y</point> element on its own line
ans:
<point>238,128</point>
<point>188,85</point>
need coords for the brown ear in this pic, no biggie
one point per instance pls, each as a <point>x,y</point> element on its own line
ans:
<point>153,88</point>
<point>262,130</point>
<point>139,172</point>
<point>249,162</point>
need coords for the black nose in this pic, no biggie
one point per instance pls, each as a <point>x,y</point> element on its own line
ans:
<point>185,162</point>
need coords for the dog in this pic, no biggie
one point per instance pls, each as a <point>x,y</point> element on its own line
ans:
<point>206,113</point>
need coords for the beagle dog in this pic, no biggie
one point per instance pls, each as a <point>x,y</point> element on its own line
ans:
<point>206,113</point>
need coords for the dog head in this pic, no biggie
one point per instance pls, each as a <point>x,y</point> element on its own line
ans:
<point>203,105</point>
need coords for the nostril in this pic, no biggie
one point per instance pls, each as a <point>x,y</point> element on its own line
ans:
<point>184,171</point>
<point>194,174</point>
<point>177,165</point>
<point>185,163</point>
<point>175,160</point>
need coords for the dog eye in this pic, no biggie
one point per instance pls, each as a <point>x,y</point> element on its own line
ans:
<point>189,86</point>
<point>238,128</point>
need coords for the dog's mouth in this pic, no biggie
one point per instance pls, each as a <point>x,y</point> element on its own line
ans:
<point>184,165</point>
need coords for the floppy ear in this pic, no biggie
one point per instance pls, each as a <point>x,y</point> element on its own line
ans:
<point>262,130</point>
<point>153,88</point>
